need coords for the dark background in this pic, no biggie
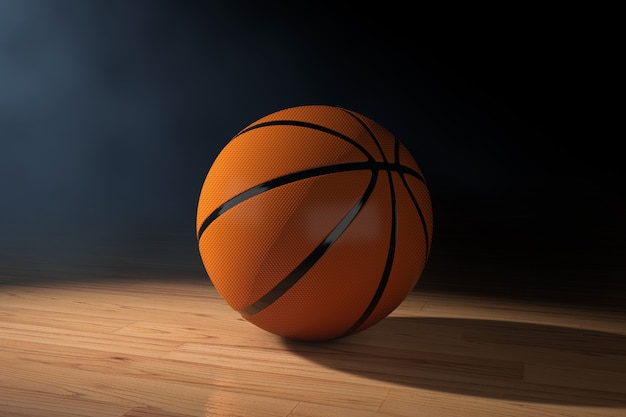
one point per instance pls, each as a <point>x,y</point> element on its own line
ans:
<point>111,113</point>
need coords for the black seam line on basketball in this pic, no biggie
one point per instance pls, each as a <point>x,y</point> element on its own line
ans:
<point>369,131</point>
<point>301,269</point>
<point>396,150</point>
<point>388,264</point>
<point>300,175</point>
<point>310,126</point>
<point>396,156</point>
<point>419,212</point>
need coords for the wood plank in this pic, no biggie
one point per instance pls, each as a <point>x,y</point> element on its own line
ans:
<point>403,402</point>
<point>59,338</point>
<point>605,382</point>
<point>308,409</point>
<point>69,385</point>
<point>277,373</point>
<point>60,320</point>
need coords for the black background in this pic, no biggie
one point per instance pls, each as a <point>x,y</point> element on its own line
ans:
<point>111,113</point>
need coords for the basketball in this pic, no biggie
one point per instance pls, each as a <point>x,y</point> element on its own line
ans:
<point>314,223</point>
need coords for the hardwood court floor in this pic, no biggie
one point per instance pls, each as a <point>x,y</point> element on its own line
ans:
<point>154,348</point>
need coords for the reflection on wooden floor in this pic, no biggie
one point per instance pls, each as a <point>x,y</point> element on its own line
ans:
<point>174,348</point>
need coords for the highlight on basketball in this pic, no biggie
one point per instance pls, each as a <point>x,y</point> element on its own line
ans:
<point>314,222</point>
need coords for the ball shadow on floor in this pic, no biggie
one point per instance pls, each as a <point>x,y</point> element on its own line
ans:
<point>504,360</point>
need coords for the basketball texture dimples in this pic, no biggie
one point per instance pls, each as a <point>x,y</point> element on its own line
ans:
<point>314,223</point>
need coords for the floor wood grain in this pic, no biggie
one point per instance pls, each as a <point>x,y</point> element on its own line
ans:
<point>139,348</point>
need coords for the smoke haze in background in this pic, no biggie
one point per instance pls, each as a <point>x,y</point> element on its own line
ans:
<point>112,112</point>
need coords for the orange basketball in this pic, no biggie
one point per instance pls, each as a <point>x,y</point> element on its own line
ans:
<point>314,223</point>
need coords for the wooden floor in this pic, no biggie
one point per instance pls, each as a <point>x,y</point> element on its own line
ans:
<point>167,347</point>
